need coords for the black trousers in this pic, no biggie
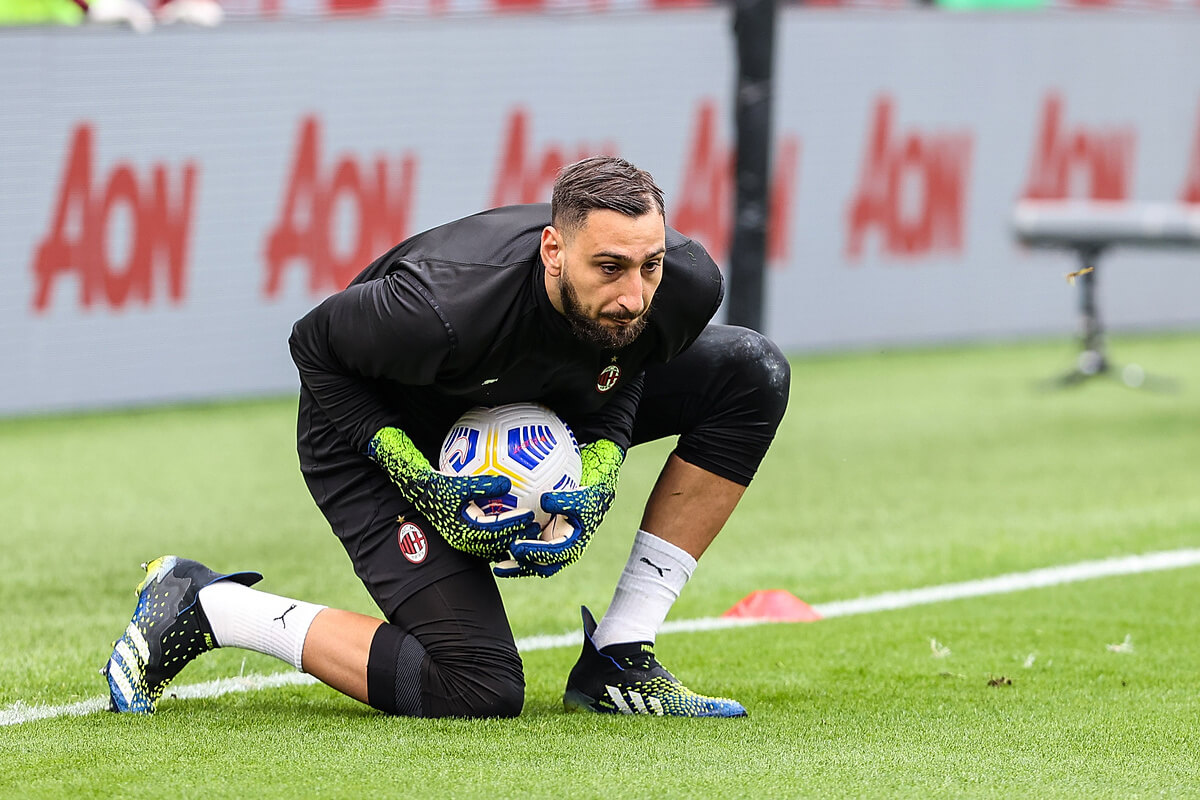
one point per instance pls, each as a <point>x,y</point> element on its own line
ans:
<point>724,397</point>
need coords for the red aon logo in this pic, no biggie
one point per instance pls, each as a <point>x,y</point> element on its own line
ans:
<point>912,189</point>
<point>379,192</point>
<point>78,243</point>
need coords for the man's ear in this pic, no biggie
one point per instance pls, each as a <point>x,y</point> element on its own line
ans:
<point>552,250</point>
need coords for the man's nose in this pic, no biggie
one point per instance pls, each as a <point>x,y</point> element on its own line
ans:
<point>631,298</point>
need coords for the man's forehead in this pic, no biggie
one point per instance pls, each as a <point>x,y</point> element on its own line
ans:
<point>612,230</point>
<point>601,216</point>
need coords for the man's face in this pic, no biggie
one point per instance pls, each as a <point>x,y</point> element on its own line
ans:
<point>603,275</point>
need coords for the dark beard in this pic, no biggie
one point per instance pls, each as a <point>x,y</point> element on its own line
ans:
<point>593,331</point>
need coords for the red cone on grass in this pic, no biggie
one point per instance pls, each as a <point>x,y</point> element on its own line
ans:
<point>775,605</point>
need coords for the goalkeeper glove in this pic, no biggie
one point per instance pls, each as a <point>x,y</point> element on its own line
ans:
<point>446,500</point>
<point>583,508</point>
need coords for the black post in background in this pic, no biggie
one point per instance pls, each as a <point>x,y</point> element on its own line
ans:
<point>754,29</point>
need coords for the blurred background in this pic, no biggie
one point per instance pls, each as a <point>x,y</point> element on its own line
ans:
<point>180,182</point>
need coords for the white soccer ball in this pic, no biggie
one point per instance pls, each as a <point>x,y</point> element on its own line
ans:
<point>526,442</point>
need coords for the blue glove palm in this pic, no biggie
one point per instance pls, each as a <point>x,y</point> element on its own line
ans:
<point>449,501</point>
<point>583,509</point>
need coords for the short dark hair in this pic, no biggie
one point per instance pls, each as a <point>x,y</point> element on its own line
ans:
<point>602,182</point>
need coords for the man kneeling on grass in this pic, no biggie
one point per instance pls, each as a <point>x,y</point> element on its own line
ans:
<point>589,305</point>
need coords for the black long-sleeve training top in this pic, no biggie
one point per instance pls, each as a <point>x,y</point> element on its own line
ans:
<point>458,316</point>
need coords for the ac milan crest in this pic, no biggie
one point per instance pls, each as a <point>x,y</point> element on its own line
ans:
<point>413,543</point>
<point>608,378</point>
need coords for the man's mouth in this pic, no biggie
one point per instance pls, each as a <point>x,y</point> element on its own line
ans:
<point>621,320</point>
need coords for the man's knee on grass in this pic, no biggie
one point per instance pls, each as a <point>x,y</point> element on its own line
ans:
<point>405,679</point>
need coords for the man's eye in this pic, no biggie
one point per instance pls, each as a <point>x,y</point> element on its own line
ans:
<point>652,266</point>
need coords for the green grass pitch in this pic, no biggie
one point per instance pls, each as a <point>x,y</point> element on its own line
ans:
<point>892,471</point>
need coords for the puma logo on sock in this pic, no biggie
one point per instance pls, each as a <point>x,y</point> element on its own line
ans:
<point>661,570</point>
<point>281,619</point>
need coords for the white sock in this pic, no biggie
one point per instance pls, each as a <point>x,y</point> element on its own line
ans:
<point>650,584</point>
<point>258,621</point>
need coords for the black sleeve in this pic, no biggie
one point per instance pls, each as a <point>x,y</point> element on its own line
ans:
<point>381,329</point>
<point>615,420</point>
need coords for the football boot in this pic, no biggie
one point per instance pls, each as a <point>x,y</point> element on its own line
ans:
<point>627,679</point>
<point>167,631</point>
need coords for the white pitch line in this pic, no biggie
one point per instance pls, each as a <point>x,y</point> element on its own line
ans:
<point>891,601</point>
<point>20,712</point>
<point>1013,582</point>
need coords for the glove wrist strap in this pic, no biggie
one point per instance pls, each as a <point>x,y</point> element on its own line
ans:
<point>600,463</point>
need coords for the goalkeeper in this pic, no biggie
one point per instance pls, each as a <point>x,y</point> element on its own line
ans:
<point>591,306</point>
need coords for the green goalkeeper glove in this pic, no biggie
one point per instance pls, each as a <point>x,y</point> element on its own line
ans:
<point>583,508</point>
<point>447,500</point>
